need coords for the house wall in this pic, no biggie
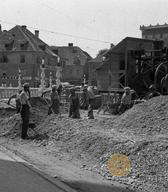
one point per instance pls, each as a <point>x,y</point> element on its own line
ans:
<point>92,76</point>
<point>156,34</point>
<point>109,75</point>
<point>73,62</point>
<point>30,69</point>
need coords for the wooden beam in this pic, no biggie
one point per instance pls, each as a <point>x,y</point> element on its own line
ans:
<point>126,65</point>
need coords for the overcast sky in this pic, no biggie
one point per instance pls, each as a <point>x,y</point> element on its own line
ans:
<point>108,21</point>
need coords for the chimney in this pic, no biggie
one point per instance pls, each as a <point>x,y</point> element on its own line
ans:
<point>23,26</point>
<point>36,33</point>
<point>70,44</point>
<point>111,45</point>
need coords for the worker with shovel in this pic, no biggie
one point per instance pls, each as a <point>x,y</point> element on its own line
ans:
<point>126,100</point>
<point>54,107</point>
<point>25,109</point>
<point>74,104</point>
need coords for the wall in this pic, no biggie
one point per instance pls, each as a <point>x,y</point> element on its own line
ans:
<point>73,62</point>
<point>30,69</point>
<point>156,34</point>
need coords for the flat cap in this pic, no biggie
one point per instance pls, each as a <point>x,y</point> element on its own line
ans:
<point>26,85</point>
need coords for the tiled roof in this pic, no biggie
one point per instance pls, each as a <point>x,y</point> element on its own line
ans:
<point>21,35</point>
<point>69,48</point>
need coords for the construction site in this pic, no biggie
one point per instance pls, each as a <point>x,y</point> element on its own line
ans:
<point>77,150</point>
<point>91,124</point>
<point>73,148</point>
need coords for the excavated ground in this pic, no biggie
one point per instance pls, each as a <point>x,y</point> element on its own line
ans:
<point>141,133</point>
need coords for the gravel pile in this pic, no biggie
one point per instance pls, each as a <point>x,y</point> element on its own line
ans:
<point>140,133</point>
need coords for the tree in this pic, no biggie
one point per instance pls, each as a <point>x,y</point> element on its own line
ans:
<point>101,52</point>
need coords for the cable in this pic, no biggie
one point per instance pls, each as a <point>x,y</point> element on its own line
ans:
<point>58,33</point>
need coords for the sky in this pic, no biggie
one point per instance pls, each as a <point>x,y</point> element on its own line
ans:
<point>90,24</point>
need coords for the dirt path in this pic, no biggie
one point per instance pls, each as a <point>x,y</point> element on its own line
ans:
<point>62,168</point>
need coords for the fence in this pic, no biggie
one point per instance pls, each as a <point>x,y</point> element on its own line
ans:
<point>7,92</point>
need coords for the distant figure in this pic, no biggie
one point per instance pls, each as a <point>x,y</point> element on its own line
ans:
<point>84,102</point>
<point>74,104</point>
<point>18,103</point>
<point>59,90</point>
<point>106,102</point>
<point>91,98</point>
<point>54,107</point>
<point>25,109</point>
<point>126,100</point>
<point>82,86</point>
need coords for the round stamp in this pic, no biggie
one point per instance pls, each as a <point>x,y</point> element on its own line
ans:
<point>119,165</point>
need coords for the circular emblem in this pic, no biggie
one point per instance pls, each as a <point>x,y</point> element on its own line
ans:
<point>119,165</point>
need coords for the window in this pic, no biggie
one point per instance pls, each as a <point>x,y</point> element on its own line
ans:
<point>38,60</point>
<point>4,59</point>
<point>122,64</point>
<point>8,46</point>
<point>74,51</point>
<point>76,61</point>
<point>22,58</point>
<point>42,47</point>
<point>24,46</point>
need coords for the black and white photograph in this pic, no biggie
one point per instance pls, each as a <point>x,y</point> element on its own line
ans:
<point>83,96</point>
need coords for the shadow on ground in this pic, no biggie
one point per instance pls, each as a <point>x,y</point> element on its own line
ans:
<point>95,187</point>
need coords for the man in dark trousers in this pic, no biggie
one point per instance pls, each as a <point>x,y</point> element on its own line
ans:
<point>91,97</point>
<point>74,104</point>
<point>25,109</point>
<point>54,108</point>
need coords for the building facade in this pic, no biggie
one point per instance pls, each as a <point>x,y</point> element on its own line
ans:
<point>120,69</point>
<point>73,61</point>
<point>155,32</point>
<point>21,50</point>
<point>93,65</point>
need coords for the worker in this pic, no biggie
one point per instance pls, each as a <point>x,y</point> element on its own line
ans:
<point>59,90</point>
<point>126,100</point>
<point>105,103</point>
<point>91,98</point>
<point>54,107</point>
<point>74,104</point>
<point>25,109</point>
<point>17,100</point>
<point>84,102</point>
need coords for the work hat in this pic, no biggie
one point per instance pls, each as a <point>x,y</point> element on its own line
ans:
<point>132,91</point>
<point>54,86</point>
<point>127,88</point>
<point>152,87</point>
<point>26,85</point>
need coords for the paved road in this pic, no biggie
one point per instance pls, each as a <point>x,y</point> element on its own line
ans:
<point>18,177</point>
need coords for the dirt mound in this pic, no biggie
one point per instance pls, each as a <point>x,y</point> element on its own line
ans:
<point>10,122</point>
<point>148,118</point>
<point>140,133</point>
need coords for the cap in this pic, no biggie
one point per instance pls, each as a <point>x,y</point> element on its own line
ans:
<point>132,91</point>
<point>26,85</point>
<point>152,87</point>
<point>127,88</point>
<point>54,86</point>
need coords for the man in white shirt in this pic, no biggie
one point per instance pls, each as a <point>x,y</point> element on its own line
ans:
<point>25,109</point>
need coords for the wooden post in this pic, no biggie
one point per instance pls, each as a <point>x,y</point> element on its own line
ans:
<point>126,66</point>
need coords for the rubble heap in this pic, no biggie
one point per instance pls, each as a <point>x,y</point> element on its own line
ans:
<point>140,133</point>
